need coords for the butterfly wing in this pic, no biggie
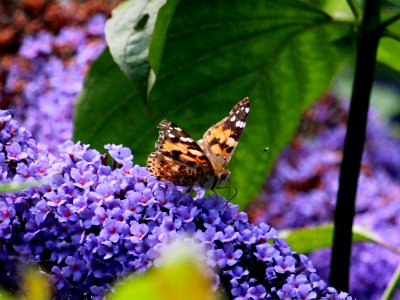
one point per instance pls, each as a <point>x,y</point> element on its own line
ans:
<point>179,158</point>
<point>167,169</point>
<point>220,141</point>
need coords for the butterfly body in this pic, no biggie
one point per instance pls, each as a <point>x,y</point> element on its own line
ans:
<point>182,160</point>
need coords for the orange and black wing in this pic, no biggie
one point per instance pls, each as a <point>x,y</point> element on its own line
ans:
<point>178,158</point>
<point>220,141</point>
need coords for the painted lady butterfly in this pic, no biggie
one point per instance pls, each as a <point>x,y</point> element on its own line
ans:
<point>185,162</point>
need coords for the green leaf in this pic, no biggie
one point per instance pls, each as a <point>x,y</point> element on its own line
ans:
<point>389,45</point>
<point>181,274</point>
<point>388,52</point>
<point>109,109</point>
<point>392,287</point>
<point>394,2</point>
<point>128,34</point>
<point>308,239</point>
<point>282,54</point>
<point>337,9</point>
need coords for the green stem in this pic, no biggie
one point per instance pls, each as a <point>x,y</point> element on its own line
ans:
<point>367,45</point>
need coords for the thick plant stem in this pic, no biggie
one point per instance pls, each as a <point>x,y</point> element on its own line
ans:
<point>367,44</point>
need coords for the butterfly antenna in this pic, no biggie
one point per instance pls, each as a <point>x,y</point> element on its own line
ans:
<point>234,195</point>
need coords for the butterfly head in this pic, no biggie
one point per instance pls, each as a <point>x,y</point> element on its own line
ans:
<point>221,177</point>
<point>224,176</point>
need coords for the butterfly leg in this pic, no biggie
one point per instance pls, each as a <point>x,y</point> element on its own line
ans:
<point>220,188</point>
<point>234,195</point>
<point>236,190</point>
<point>187,193</point>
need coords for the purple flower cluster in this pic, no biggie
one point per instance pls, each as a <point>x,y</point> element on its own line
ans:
<point>48,75</point>
<point>305,181</point>
<point>91,223</point>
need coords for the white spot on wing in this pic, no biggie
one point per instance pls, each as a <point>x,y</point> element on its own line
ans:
<point>240,124</point>
<point>247,110</point>
<point>186,139</point>
<point>233,119</point>
<point>171,135</point>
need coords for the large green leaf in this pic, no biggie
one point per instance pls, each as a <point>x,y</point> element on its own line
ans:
<point>308,239</point>
<point>206,56</point>
<point>282,54</point>
<point>108,109</point>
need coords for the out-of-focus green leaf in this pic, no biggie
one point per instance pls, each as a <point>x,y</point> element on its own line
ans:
<point>388,52</point>
<point>36,284</point>
<point>393,285</point>
<point>389,46</point>
<point>128,34</point>
<point>394,2</point>
<point>20,186</point>
<point>6,296</point>
<point>305,240</point>
<point>181,276</point>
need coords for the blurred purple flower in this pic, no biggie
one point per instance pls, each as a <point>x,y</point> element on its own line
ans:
<point>52,69</point>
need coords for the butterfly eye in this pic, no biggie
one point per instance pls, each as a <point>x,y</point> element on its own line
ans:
<point>224,176</point>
